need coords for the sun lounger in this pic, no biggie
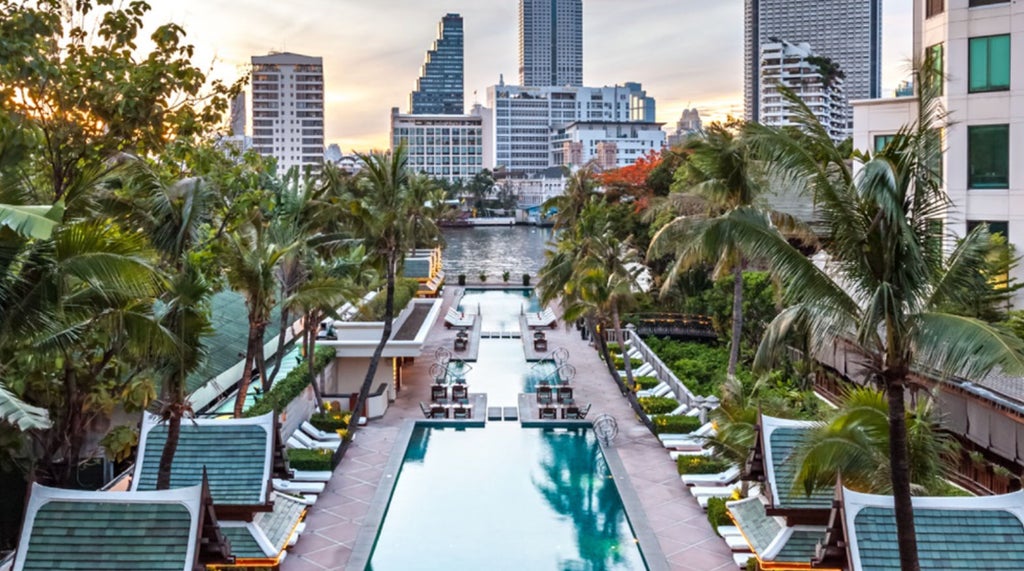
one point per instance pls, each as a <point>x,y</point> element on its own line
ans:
<point>455,319</point>
<point>308,499</point>
<point>545,318</point>
<point>727,530</point>
<point>659,391</point>
<point>723,478</point>
<point>737,543</point>
<point>311,475</point>
<point>290,487</point>
<point>318,434</point>
<point>425,409</point>
<point>644,370</point>
<point>307,442</point>
<point>584,411</point>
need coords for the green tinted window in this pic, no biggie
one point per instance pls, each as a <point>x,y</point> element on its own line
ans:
<point>989,63</point>
<point>988,156</point>
<point>881,141</point>
<point>937,66</point>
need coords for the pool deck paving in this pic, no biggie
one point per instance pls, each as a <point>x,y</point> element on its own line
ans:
<point>680,525</point>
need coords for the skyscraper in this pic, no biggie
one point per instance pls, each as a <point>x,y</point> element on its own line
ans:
<point>288,109</point>
<point>439,89</point>
<point>550,43</point>
<point>849,32</point>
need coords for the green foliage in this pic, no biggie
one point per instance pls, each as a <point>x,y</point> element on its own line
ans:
<point>643,383</point>
<point>702,368</point>
<point>405,291</point>
<point>718,514</point>
<point>620,363</point>
<point>291,386</point>
<point>701,465</point>
<point>675,424</point>
<point>311,460</point>
<point>657,405</point>
<point>760,306</point>
<point>482,276</point>
<point>119,443</point>
<point>330,421</point>
<point>526,279</point>
<point>505,275</point>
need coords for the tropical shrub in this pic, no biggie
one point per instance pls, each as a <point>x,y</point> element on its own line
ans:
<point>700,367</point>
<point>526,279</point>
<point>643,383</point>
<point>701,465</point>
<point>462,279</point>
<point>675,424</point>
<point>620,363</point>
<point>505,275</point>
<point>657,405</point>
<point>331,421</point>
<point>718,514</point>
<point>312,460</point>
<point>285,390</point>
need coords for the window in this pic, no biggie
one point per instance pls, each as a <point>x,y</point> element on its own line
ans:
<point>974,3</point>
<point>934,59</point>
<point>882,141</point>
<point>934,8</point>
<point>988,156</point>
<point>989,64</point>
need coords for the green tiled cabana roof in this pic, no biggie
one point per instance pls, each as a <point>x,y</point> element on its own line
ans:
<point>953,533</point>
<point>782,438</point>
<point>236,453</point>
<point>74,529</point>
<point>267,535</point>
<point>768,538</point>
<point>243,543</point>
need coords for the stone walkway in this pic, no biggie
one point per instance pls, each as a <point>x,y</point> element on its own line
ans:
<point>682,528</point>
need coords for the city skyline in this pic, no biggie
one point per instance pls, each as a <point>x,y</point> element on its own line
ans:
<point>372,65</point>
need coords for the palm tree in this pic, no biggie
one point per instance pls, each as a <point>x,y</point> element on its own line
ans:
<point>580,189</point>
<point>854,442</point>
<point>887,281</point>
<point>383,214</point>
<point>721,172</point>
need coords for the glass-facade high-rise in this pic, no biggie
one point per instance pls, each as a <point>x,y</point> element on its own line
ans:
<point>439,90</point>
<point>848,32</point>
<point>551,43</point>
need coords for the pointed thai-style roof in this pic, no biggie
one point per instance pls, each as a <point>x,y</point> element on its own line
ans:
<point>237,455</point>
<point>75,529</point>
<point>262,541</point>
<point>953,533</point>
<point>775,545</point>
<point>779,440</point>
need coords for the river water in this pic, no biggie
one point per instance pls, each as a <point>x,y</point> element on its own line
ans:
<point>493,250</point>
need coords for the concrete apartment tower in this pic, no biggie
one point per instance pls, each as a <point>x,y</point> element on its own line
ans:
<point>550,43</point>
<point>815,80</point>
<point>439,90</point>
<point>849,32</point>
<point>288,110</point>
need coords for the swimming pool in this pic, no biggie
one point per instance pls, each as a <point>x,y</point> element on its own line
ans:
<point>505,497</point>
<point>499,310</point>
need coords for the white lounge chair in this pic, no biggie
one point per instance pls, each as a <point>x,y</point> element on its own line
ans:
<point>742,558</point>
<point>727,530</point>
<point>311,475</point>
<point>318,434</point>
<point>455,319</point>
<point>644,370</point>
<point>545,318</point>
<point>291,487</point>
<point>679,409</point>
<point>635,353</point>
<point>682,450</point>
<point>737,543</point>
<point>659,391</point>
<point>300,439</point>
<point>723,478</point>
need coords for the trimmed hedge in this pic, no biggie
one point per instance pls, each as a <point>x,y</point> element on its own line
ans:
<point>330,421</point>
<point>657,405</point>
<point>620,363</point>
<point>718,513</point>
<point>313,460</point>
<point>675,424</point>
<point>644,383</point>
<point>285,390</point>
<point>405,290</point>
<point>701,465</point>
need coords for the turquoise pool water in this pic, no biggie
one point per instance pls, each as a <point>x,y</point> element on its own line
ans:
<point>502,372</point>
<point>499,309</point>
<point>505,498</point>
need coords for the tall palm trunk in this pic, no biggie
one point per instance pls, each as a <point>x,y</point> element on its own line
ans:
<point>309,334</point>
<point>906,533</point>
<point>737,317</point>
<point>285,315</point>
<point>243,385</point>
<point>261,359</point>
<point>163,474</point>
<point>389,311</point>
<point>627,361</point>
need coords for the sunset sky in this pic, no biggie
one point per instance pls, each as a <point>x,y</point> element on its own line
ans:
<point>687,53</point>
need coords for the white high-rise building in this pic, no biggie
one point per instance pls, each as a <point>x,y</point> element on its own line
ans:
<point>522,122</point>
<point>550,42</point>
<point>971,42</point>
<point>848,32</point>
<point>609,144</point>
<point>815,80</point>
<point>288,109</point>
<point>441,146</point>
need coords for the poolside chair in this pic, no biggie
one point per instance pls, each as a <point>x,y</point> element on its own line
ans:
<point>544,395</point>
<point>438,412</point>
<point>317,434</point>
<point>644,370</point>
<point>306,441</point>
<point>438,392</point>
<point>565,395</point>
<point>290,487</point>
<point>460,392</point>
<point>723,478</point>
<point>460,412</point>
<point>584,411</point>
<point>311,475</point>
<point>659,391</point>
<point>571,413</point>
<point>425,409</point>
<point>548,413</point>
<point>737,543</point>
<point>455,319</point>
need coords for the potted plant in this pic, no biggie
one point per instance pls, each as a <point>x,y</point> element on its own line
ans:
<point>483,276</point>
<point>526,279</point>
<point>505,275</point>
<point>462,279</point>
